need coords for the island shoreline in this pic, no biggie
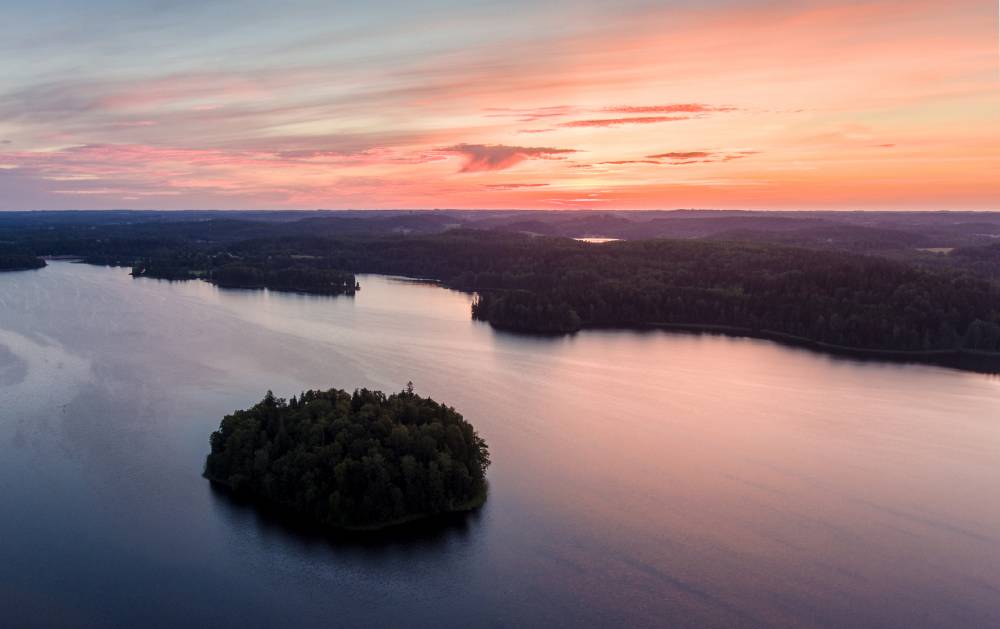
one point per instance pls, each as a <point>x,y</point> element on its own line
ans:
<point>278,508</point>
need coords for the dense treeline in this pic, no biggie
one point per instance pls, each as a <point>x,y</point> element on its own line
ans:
<point>929,302</point>
<point>899,233</point>
<point>560,285</point>
<point>361,460</point>
<point>233,272</point>
<point>526,311</point>
<point>295,278</point>
<point>860,302</point>
<point>19,261</point>
<point>983,261</point>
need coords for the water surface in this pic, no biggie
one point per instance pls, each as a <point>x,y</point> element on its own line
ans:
<point>639,479</point>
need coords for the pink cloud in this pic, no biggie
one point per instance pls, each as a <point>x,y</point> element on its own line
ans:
<point>619,162</point>
<point>614,122</point>
<point>514,186</point>
<point>740,155</point>
<point>678,108</point>
<point>681,155</point>
<point>486,157</point>
<point>676,158</point>
<point>680,158</point>
<point>531,114</point>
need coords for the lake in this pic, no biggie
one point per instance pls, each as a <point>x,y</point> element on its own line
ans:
<point>642,479</point>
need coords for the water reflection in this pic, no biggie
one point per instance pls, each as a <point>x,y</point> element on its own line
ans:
<point>640,478</point>
<point>425,535</point>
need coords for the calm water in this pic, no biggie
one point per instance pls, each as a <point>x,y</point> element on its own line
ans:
<point>640,479</point>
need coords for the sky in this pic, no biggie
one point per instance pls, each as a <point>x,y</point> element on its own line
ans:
<point>734,104</point>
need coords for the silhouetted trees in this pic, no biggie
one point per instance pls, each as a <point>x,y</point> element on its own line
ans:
<point>283,275</point>
<point>559,285</point>
<point>293,278</point>
<point>923,302</point>
<point>19,261</point>
<point>361,460</point>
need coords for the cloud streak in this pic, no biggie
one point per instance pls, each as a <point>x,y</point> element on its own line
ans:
<point>680,158</point>
<point>617,122</point>
<point>514,186</point>
<point>394,109</point>
<point>678,108</point>
<point>490,157</point>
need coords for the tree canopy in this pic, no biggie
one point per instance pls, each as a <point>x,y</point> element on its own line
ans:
<point>10,261</point>
<point>352,461</point>
<point>823,290</point>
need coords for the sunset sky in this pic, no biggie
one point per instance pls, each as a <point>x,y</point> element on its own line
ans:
<point>607,105</point>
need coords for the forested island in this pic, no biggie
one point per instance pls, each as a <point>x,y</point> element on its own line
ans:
<point>917,285</point>
<point>284,274</point>
<point>361,461</point>
<point>19,262</point>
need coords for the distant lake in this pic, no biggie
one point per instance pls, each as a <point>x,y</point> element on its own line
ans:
<point>640,479</point>
<point>597,241</point>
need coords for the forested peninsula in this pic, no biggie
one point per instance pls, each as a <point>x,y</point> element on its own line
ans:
<point>283,273</point>
<point>867,284</point>
<point>559,285</point>
<point>19,262</point>
<point>361,461</point>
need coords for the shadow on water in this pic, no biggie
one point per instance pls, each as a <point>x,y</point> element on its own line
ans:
<point>971,361</point>
<point>300,295</point>
<point>427,533</point>
<point>24,271</point>
<point>530,337</point>
<point>249,290</point>
<point>415,281</point>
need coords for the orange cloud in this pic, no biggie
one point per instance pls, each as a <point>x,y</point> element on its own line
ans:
<point>677,158</point>
<point>619,162</point>
<point>486,157</point>
<point>681,155</point>
<point>818,89</point>
<point>688,108</point>
<point>529,114</point>
<point>514,186</point>
<point>615,122</point>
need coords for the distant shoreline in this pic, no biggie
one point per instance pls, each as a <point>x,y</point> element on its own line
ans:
<point>964,359</point>
<point>946,357</point>
<point>14,268</point>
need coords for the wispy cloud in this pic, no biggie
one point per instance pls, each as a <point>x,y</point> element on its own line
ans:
<point>532,114</point>
<point>675,112</point>
<point>621,162</point>
<point>677,108</point>
<point>681,155</point>
<point>635,99</point>
<point>680,158</point>
<point>486,157</point>
<point>514,186</point>
<point>617,122</point>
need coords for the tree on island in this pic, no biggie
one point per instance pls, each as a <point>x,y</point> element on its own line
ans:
<point>352,461</point>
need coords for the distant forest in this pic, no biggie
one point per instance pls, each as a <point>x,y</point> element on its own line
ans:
<point>904,283</point>
<point>533,284</point>
<point>19,261</point>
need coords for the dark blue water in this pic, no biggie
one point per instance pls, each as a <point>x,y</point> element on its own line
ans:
<point>639,479</point>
